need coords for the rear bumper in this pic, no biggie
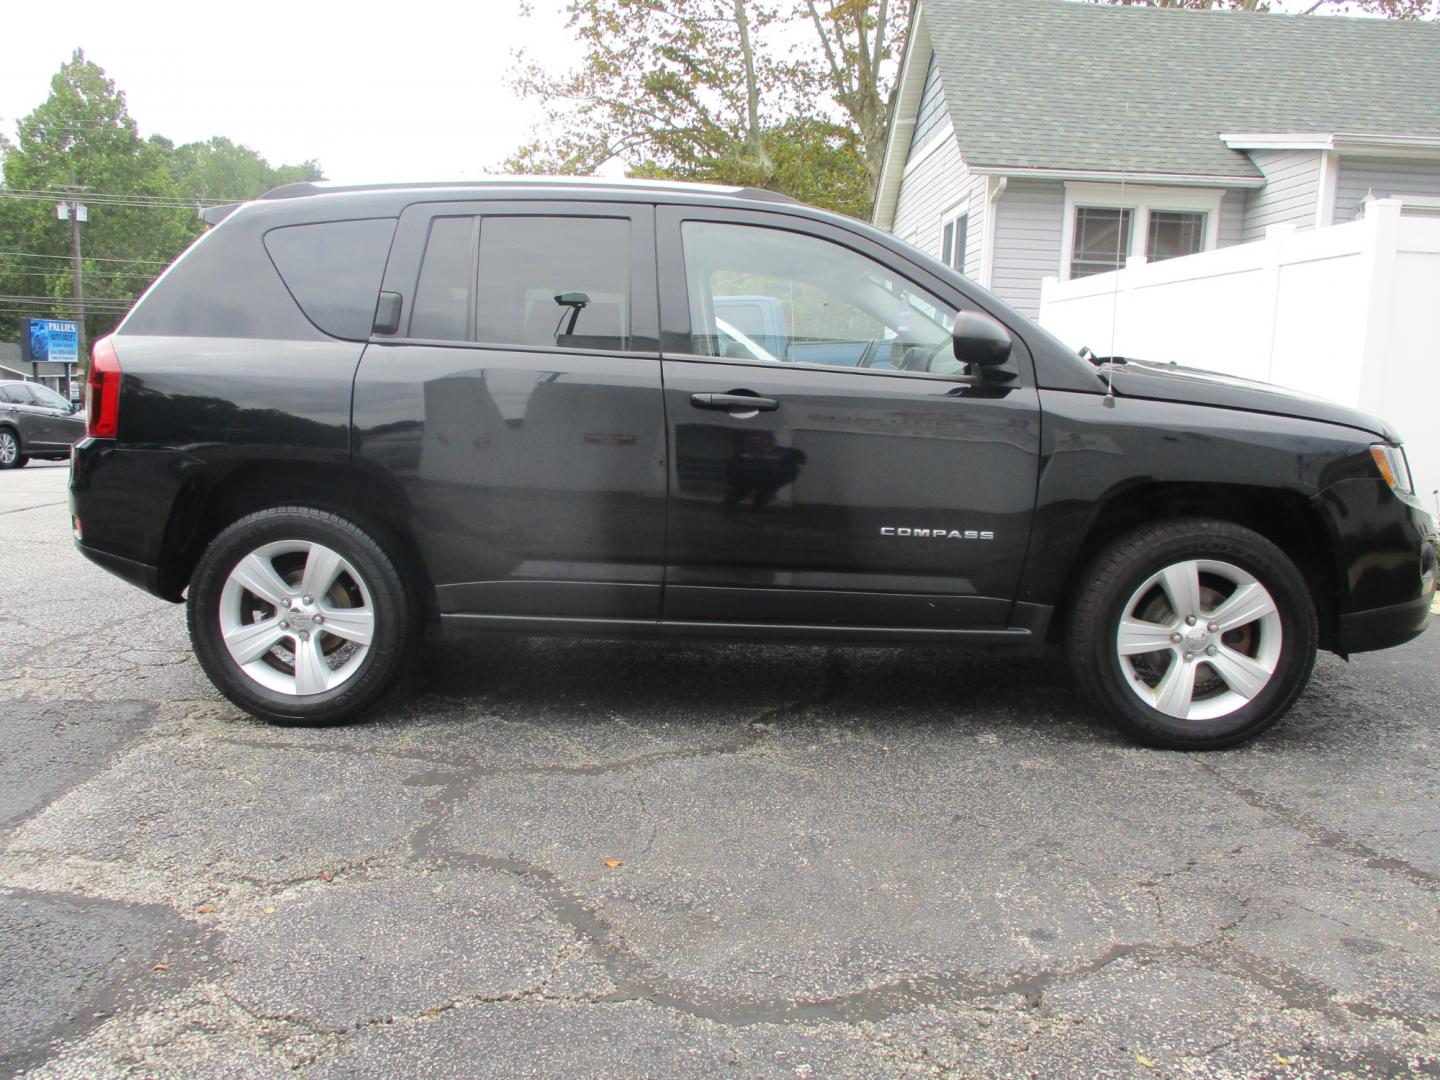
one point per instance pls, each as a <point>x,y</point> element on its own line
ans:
<point>121,502</point>
<point>136,573</point>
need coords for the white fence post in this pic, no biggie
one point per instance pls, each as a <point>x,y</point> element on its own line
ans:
<point>1377,257</point>
<point>1272,257</point>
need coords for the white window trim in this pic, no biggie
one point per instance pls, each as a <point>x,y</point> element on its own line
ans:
<point>1139,199</point>
<point>950,216</point>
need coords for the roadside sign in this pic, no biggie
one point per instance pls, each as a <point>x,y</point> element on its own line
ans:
<point>55,341</point>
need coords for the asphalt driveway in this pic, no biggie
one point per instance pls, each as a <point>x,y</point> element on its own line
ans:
<point>593,858</point>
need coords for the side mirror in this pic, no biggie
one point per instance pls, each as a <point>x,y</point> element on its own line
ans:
<point>981,341</point>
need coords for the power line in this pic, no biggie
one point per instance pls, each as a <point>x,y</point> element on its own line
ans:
<point>88,258</point>
<point>66,301</point>
<point>97,198</point>
<point>56,271</point>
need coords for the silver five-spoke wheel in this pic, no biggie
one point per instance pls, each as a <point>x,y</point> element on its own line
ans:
<point>296,617</point>
<point>9,449</point>
<point>1199,639</point>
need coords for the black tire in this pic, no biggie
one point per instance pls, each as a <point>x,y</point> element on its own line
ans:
<point>394,615</point>
<point>1110,584</point>
<point>11,456</point>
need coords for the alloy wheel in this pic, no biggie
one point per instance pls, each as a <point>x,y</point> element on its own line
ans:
<point>1199,639</point>
<point>9,448</point>
<point>297,617</point>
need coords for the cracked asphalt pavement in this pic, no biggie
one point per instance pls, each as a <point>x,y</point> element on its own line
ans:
<point>579,858</point>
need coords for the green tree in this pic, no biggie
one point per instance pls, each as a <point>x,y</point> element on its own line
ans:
<point>141,197</point>
<point>218,170</point>
<point>83,135</point>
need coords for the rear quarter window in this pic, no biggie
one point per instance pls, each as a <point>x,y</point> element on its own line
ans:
<point>333,270</point>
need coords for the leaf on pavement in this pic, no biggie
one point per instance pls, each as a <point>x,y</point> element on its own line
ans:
<point>613,863</point>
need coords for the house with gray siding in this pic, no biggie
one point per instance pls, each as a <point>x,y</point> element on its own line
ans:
<point>1049,138</point>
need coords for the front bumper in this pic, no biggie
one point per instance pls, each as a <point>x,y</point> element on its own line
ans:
<point>1380,628</point>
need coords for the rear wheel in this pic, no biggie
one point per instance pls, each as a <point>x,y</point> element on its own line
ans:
<point>300,616</point>
<point>1193,634</point>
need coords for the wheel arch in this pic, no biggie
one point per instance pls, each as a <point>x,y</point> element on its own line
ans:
<point>1285,517</point>
<point>214,497</point>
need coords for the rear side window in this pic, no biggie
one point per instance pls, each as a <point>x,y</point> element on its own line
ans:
<point>548,281</point>
<point>538,281</point>
<point>15,394</point>
<point>333,270</point>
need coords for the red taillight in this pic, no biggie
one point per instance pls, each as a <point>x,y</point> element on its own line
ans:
<point>102,391</point>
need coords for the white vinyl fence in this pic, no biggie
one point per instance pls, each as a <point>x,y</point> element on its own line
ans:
<point>1349,312</point>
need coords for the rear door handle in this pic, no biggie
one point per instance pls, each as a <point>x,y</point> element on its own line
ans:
<point>737,402</point>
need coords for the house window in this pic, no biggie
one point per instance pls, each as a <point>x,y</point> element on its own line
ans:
<point>954,237</point>
<point>1102,240</point>
<point>1174,233</point>
<point>1106,225</point>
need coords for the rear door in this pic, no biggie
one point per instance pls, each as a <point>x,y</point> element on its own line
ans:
<point>518,404</point>
<point>868,484</point>
<point>53,413</point>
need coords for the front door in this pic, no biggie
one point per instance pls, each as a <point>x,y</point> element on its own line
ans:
<point>829,463</point>
<point>518,406</point>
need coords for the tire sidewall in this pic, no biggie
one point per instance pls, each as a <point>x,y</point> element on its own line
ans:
<point>392,615</point>
<point>1286,586</point>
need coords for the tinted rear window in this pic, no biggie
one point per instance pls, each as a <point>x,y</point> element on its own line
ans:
<point>333,269</point>
<point>547,281</point>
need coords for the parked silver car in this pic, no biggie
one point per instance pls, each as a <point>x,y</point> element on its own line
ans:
<point>36,422</point>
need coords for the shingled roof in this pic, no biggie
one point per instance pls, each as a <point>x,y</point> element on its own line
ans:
<point>1045,84</point>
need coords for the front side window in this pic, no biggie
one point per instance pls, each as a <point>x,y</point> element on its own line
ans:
<point>1102,240</point>
<point>782,297</point>
<point>47,397</point>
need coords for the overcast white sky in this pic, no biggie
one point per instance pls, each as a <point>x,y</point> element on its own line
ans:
<point>409,90</point>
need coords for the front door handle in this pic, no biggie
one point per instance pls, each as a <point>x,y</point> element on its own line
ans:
<point>737,402</point>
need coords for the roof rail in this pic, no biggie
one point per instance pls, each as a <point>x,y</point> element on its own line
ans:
<point>765,194</point>
<point>303,188</point>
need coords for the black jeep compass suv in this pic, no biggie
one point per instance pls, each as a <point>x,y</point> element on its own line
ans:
<point>639,408</point>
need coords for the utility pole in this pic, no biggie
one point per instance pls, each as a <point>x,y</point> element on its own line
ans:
<point>75,213</point>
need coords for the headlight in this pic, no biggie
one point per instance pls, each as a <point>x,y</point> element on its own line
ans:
<point>1393,467</point>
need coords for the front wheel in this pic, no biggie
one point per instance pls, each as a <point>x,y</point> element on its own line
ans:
<point>10,456</point>
<point>1193,634</point>
<point>299,616</point>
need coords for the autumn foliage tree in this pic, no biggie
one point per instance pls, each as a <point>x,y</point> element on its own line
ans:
<point>772,93</point>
